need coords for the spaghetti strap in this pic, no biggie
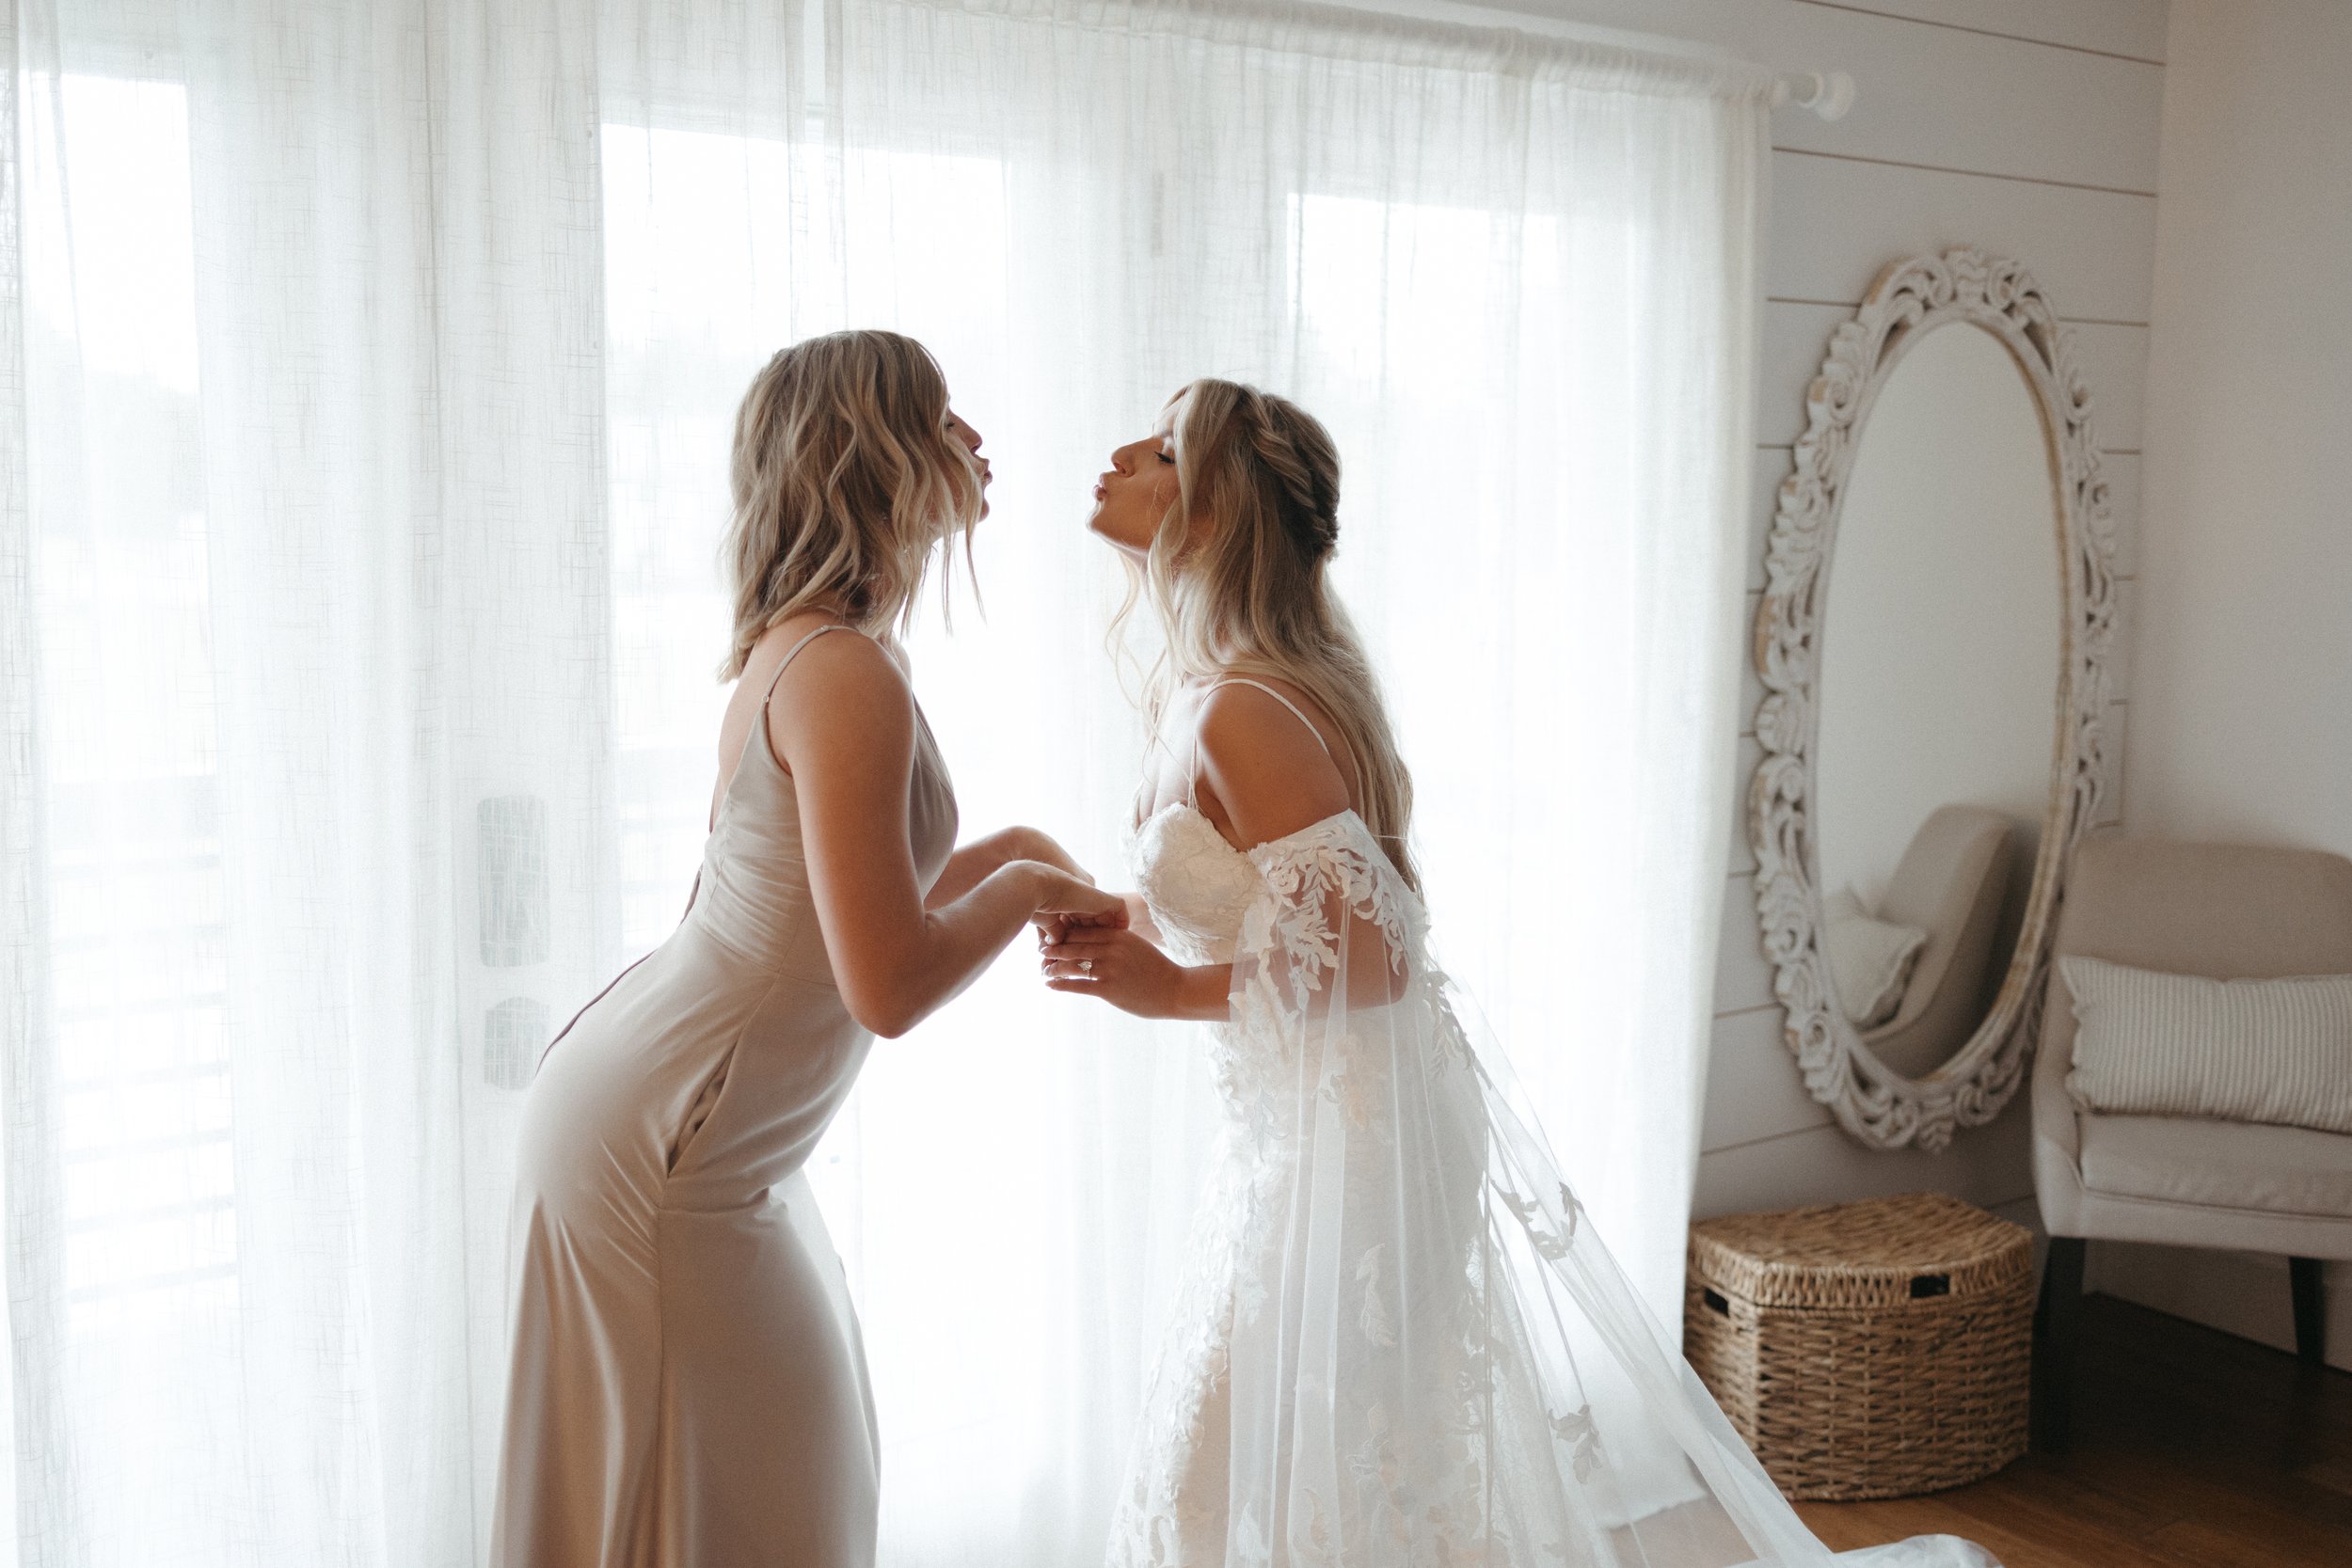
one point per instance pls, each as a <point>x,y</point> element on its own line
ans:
<point>794,652</point>
<point>757,733</point>
<point>1297,712</point>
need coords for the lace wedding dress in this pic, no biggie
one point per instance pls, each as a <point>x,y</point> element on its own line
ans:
<point>1397,1343</point>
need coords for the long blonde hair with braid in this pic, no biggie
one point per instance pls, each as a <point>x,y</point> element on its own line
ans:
<point>846,480</point>
<point>1237,570</point>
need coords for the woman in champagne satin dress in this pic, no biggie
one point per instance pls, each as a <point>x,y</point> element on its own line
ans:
<point>688,1386</point>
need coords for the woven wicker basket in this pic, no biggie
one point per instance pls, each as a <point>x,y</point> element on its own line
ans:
<point>1868,1349</point>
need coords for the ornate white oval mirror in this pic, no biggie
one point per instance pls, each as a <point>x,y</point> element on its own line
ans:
<point>1933,643</point>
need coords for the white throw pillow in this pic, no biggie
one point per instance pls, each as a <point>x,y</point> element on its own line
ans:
<point>2179,1045</point>
<point>1869,959</point>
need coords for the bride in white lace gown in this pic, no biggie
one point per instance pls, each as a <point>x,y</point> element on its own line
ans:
<point>1397,1344</point>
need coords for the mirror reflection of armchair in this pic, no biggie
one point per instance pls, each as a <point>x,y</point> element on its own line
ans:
<point>1951,883</point>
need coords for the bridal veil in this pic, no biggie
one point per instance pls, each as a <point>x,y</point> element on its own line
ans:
<point>1433,1360</point>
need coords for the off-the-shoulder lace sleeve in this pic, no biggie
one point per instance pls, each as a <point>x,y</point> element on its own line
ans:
<point>1336,922</point>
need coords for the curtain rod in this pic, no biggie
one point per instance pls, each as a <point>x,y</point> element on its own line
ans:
<point>1827,93</point>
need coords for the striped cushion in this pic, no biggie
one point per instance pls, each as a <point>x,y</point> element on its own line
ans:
<point>2265,1050</point>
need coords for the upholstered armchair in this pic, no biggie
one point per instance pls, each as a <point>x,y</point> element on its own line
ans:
<point>1951,884</point>
<point>2223,912</point>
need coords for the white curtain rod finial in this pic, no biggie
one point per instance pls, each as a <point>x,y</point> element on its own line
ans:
<point>1827,93</point>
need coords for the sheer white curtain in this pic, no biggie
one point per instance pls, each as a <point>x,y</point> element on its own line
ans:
<point>317,751</point>
<point>361,460</point>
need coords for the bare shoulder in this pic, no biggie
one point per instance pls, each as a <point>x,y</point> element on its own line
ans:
<point>1238,721</point>
<point>1271,773</point>
<point>843,689</point>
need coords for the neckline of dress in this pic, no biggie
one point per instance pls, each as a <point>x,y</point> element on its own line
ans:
<point>1179,807</point>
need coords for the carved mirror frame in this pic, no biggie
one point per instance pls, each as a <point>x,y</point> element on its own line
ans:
<point>1912,298</point>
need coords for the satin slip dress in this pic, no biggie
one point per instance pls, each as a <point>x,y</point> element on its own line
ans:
<point>688,1387</point>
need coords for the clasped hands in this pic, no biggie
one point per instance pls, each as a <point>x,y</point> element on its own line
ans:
<point>1109,958</point>
<point>1111,954</point>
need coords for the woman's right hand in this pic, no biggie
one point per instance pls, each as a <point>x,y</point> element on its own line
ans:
<point>1062,896</point>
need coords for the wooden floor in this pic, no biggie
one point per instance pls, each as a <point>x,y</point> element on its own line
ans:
<point>2193,1449</point>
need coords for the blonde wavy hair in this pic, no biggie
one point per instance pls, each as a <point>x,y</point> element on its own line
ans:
<point>1238,575</point>
<point>845,480</point>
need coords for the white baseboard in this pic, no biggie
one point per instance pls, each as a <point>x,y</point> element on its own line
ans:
<point>2239,1293</point>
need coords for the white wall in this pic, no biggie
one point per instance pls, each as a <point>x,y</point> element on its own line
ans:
<point>2247,645</point>
<point>2242,726</point>
<point>2027,127</point>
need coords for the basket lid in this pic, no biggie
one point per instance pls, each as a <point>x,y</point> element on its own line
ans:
<point>1882,1252</point>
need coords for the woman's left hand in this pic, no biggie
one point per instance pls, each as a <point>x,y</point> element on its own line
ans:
<point>1119,967</point>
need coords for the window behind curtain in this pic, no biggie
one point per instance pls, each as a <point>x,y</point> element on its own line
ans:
<point>1514,322</point>
<point>953,1165</point>
<point>137,961</point>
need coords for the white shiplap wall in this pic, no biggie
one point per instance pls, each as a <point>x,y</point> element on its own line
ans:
<point>2026,127</point>
<point>2029,128</point>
